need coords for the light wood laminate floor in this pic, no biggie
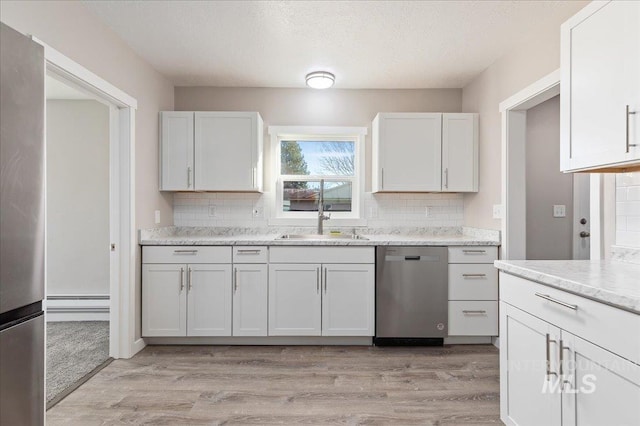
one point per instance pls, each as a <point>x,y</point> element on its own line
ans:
<point>451,385</point>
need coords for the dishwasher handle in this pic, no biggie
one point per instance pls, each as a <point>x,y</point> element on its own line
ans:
<point>421,258</point>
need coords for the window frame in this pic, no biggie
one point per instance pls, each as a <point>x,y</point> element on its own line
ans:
<point>318,133</point>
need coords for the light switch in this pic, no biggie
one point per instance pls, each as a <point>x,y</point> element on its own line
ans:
<point>559,210</point>
<point>157,217</point>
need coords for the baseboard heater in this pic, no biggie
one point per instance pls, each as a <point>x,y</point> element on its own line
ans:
<point>78,307</point>
<point>403,341</point>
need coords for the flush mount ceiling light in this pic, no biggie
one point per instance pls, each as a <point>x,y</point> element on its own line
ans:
<point>320,79</point>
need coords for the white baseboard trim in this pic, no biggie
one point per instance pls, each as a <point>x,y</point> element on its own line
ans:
<point>138,345</point>
<point>266,341</point>
<point>77,307</point>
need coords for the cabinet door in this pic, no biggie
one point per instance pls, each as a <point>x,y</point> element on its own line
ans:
<point>209,301</point>
<point>164,300</point>
<point>294,300</point>
<point>600,78</point>
<point>176,151</point>
<point>599,387</point>
<point>409,152</point>
<point>528,351</point>
<point>460,152</point>
<point>226,151</point>
<point>250,293</point>
<point>348,300</point>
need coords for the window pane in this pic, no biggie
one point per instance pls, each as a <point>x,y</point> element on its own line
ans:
<point>330,158</point>
<point>302,196</point>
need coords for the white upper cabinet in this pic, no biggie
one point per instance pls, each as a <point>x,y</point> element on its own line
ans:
<point>600,87</point>
<point>425,152</point>
<point>228,151</point>
<point>176,151</point>
<point>460,152</point>
<point>407,149</point>
<point>211,151</point>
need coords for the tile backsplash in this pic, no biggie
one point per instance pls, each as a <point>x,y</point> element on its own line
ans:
<point>250,210</point>
<point>628,209</point>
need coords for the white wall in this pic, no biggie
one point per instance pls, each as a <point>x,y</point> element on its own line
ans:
<point>628,209</point>
<point>505,77</point>
<point>548,237</point>
<point>71,29</point>
<point>77,197</point>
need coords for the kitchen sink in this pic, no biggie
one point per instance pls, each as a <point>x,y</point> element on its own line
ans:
<point>321,237</point>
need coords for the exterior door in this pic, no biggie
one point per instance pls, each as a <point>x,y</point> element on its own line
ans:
<point>209,301</point>
<point>529,350</point>
<point>164,300</point>
<point>294,300</point>
<point>581,216</point>
<point>250,298</point>
<point>348,300</point>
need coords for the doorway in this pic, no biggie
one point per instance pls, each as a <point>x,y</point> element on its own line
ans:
<point>78,236</point>
<point>547,214</point>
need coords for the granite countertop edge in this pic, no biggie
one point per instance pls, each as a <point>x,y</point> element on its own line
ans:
<point>608,282</point>
<point>272,240</point>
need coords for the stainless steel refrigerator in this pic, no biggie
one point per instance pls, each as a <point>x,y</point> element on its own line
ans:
<point>22,227</point>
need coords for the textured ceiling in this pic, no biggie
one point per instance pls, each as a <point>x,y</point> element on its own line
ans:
<point>366,44</point>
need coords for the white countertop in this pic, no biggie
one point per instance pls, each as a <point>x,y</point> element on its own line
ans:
<point>611,282</point>
<point>203,236</point>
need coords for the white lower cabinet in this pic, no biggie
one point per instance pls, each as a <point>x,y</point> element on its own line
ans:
<point>186,299</point>
<point>250,293</point>
<point>549,375</point>
<point>347,300</point>
<point>527,350</point>
<point>164,300</point>
<point>327,291</point>
<point>294,300</point>
<point>209,300</point>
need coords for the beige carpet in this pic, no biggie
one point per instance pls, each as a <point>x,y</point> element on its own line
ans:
<point>74,349</point>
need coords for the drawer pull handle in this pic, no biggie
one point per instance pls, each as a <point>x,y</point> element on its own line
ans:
<point>474,275</point>
<point>185,251</point>
<point>559,302</point>
<point>474,312</point>
<point>474,251</point>
<point>249,251</point>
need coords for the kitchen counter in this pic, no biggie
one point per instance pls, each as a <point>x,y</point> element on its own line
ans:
<point>173,236</point>
<point>612,282</point>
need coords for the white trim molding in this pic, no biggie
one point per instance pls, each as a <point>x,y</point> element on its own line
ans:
<point>122,341</point>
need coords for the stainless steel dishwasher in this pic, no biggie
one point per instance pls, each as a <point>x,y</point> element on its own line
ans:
<point>411,295</point>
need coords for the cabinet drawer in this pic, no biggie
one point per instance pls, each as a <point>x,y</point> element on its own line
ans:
<point>250,254</point>
<point>473,318</point>
<point>613,329</point>
<point>186,254</point>
<point>473,254</point>
<point>473,282</point>
<point>322,254</point>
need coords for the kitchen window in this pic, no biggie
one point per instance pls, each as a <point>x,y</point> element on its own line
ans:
<point>308,159</point>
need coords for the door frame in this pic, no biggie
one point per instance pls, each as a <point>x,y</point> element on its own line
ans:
<point>514,121</point>
<point>122,107</point>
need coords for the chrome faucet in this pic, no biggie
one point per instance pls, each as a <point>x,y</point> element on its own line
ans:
<point>321,216</point>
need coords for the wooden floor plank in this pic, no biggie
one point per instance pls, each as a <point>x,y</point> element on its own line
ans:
<point>451,385</point>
